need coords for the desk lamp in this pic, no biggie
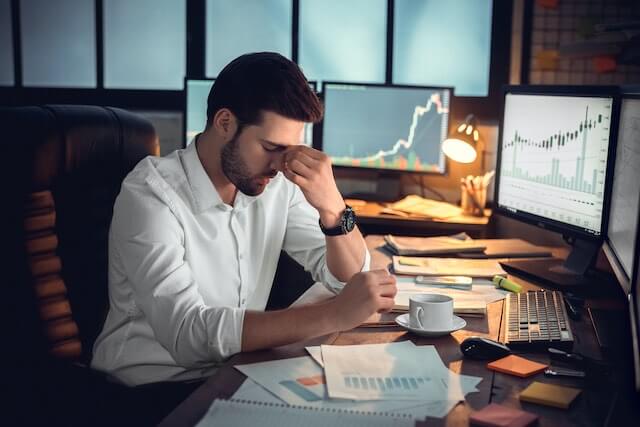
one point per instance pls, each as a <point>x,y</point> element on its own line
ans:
<point>462,145</point>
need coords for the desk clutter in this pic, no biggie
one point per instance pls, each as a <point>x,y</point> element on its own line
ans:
<point>463,246</point>
<point>387,381</point>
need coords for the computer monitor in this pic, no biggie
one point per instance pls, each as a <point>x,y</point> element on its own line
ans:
<point>386,127</point>
<point>554,169</point>
<point>625,196</point>
<point>195,116</point>
<point>634,307</point>
<point>196,94</point>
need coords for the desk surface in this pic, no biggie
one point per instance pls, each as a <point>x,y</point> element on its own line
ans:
<point>589,409</point>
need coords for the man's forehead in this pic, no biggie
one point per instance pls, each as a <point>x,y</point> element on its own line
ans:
<point>280,130</point>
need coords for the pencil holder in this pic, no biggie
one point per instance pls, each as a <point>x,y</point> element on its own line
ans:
<point>473,201</point>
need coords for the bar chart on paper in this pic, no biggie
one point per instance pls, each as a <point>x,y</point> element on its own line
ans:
<point>385,384</point>
<point>554,157</point>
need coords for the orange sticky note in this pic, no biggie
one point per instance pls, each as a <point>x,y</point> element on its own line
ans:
<point>549,394</point>
<point>516,365</point>
<point>604,64</point>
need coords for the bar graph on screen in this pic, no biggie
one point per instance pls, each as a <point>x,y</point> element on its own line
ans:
<point>555,157</point>
<point>386,127</point>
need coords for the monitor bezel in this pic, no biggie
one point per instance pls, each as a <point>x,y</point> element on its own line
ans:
<point>185,90</point>
<point>320,140</point>
<point>567,230</point>
<point>609,250</point>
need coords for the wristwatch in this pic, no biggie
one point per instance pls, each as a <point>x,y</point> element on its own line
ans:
<point>347,223</point>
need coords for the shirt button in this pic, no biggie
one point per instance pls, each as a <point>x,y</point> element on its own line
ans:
<point>243,301</point>
<point>241,256</point>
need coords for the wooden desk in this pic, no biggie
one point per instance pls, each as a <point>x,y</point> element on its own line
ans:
<point>588,409</point>
<point>372,221</point>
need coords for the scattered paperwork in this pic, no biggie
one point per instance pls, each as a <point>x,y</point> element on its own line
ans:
<point>438,245</point>
<point>427,208</point>
<point>470,301</point>
<point>447,267</point>
<point>303,381</point>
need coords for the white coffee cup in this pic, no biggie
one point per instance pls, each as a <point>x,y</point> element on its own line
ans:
<point>433,312</point>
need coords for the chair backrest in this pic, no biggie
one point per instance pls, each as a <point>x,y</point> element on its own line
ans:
<point>68,165</point>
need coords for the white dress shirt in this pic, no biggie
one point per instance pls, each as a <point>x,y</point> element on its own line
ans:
<point>184,267</point>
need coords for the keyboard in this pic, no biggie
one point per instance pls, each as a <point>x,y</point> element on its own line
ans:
<point>536,320</point>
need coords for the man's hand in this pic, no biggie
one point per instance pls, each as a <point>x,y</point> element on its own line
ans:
<point>365,294</point>
<point>311,170</point>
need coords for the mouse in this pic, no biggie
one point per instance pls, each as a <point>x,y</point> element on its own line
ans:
<point>483,348</point>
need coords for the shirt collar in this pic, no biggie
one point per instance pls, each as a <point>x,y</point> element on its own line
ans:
<point>204,192</point>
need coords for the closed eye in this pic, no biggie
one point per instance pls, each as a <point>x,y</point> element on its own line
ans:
<point>272,150</point>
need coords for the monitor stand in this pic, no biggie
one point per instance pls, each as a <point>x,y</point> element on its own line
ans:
<point>388,188</point>
<point>557,272</point>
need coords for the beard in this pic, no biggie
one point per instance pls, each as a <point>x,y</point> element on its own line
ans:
<point>237,171</point>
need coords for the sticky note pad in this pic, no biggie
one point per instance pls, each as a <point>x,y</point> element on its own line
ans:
<point>516,365</point>
<point>549,394</point>
<point>495,415</point>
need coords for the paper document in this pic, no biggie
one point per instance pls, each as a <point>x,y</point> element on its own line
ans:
<point>381,372</point>
<point>471,301</point>
<point>232,413</point>
<point>277,378</point>
<point>428,208</point>
<point>447,267</point>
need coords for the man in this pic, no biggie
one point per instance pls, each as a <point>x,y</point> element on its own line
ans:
<point>195,237</point>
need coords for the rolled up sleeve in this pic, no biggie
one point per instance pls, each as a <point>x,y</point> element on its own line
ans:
<point>149,242</point>
<point>305,242</point>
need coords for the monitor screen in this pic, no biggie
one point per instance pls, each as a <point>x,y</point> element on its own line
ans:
<point>197,92</point>
<point>553,159</point>
<point>386,127</point>
<point>634,304</point>
<point>196,108</point>
<point>625,195</point>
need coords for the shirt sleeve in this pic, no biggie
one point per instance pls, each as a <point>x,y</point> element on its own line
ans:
<point>149,244</point>
<point>305,242</point>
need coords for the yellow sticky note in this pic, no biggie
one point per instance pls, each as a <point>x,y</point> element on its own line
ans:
<point>549,394</point>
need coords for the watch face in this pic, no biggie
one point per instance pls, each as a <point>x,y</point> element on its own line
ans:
<point>349,220</point>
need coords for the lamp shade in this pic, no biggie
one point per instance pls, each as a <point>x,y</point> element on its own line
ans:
<point>461,146</point>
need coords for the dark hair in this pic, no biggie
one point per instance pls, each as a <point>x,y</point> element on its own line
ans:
<point>263,81</point>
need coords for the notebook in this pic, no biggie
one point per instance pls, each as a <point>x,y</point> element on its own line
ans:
<point>495,415</point>
<point>447,267</point>
<point>516,365</point>
<point>549,394</point>
<point>508,248</point>
<point>431,245</point>
<point>233,413</point>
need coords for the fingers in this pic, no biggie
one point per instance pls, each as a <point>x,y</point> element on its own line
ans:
<point>313,153</point>
<point>298,180</point>
<point>388,290</point>
<point>385,305</point>
<point>383,277</point>
<point>298,167</point>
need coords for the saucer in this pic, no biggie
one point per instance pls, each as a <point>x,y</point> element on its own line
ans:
<point>403,320</point>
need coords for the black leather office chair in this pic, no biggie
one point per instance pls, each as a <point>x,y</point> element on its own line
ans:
<point>63,167</point>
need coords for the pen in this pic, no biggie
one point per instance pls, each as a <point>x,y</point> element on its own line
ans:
<point>504,283</point>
